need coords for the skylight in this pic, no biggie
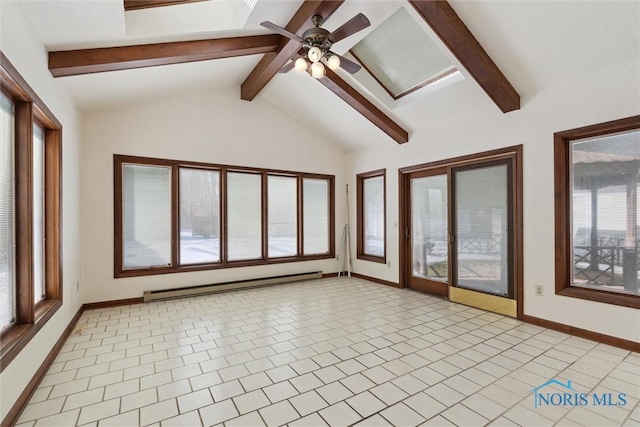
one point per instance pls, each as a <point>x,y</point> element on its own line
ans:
<point>401,56</point>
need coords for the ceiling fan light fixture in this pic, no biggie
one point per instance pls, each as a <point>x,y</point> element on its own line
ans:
<point>333,62</point>
<point>317,70</point>
<point>301,65</point>
<point>315,54</point>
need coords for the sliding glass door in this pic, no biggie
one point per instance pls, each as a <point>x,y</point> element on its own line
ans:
<point>459,226</point>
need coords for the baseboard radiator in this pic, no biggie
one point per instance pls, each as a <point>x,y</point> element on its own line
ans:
<point>227,286</point>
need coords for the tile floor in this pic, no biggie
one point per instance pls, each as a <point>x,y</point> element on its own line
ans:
<point>337,351</point>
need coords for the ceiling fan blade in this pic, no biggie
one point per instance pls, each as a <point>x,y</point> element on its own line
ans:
<point>352,26</point>
<point>287,67</point>
<point>347,65</point>
<point>273,27</point>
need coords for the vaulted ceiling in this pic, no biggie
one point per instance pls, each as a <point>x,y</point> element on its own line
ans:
<point>106,56</point>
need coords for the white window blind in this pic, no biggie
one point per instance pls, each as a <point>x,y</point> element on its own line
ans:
<point>7,263</point>
<point>38,213</point>
<point>373,227</point>
<point>283,216</point>
<point>199,216</point>
<point>316,215</point>
<point>146,216</point>
<point>605,212</point>
<point>244,216</point>
<point>482,229</point>
<point>429,228</point>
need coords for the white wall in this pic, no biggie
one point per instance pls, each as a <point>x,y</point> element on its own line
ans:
<point>210,126</point>
<point>29,57</point>
<point>463,120</point>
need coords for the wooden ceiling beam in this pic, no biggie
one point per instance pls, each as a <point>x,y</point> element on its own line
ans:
<point>147,4</point>
<point>361,104</point>
<point>271,63</point>
<point>446,23</point>
<point>86,61</point>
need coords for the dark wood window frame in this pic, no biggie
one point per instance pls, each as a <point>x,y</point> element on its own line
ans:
<point>175,165</point>
<point>360,179</point>
<point>563,191</point>
<point>31,316</point>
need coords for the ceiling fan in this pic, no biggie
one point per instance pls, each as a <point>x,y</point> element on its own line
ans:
<point>316,42</point>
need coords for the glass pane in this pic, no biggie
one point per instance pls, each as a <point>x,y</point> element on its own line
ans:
<point>482,230</point>
<point>7,266</point>
<point>400,54</point>
<point>283,216</point>
<point>146,216</point>
<point>373,201</point>
<point>38,213</point>
<point>429,227</point>
<point>244,216</point>
<point>199,216</point>
<point>605,212</point>
<point>316,216</point>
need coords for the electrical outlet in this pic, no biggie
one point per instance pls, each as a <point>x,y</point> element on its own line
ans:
<point>388,263</point>
<point>539,290</point>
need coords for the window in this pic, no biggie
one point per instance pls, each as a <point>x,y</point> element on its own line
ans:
<point>244,216</point>
<point>174,216</point>
<point>316,215</point>
<point>30,200</point>
<point>283,216</point>
<point>401,40</point>
<point>7,255</point>
<point>146,216</point>
<point>597,176</point>
<point>371,207</point>
<point>199,216</point>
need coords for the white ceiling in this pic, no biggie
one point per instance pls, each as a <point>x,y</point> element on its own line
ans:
<point>534,43</point>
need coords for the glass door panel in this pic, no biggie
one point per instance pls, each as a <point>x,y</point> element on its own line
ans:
<point>482,269</point>
<point>482,230</point>
<point>429,233</point>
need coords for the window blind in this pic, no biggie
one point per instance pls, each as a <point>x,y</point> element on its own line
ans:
<point>146,216</point>
<point>244,216</point>
<point>283,216</point>
<point>38,213</point>
<point>7,266</point>
<point>316,215</point>
<point>374,216</point>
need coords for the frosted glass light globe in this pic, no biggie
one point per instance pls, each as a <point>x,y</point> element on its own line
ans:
<point>317,70</point>
<point>300,64</point>
<point>333,62</point>
<point>314,54</point>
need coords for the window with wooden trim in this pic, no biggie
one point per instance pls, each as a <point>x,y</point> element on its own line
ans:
<point>371,208</point>
<point>597,212</point>
<point>30,200</point>
<point>174,216</point>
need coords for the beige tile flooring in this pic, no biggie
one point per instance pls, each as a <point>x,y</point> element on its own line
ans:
<point>338,351</point>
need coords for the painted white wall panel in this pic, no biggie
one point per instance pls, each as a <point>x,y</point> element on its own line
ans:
<point>29,57</point>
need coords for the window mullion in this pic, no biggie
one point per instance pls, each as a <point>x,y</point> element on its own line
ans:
<point>53,183</point>
<point>175,217</point>
<point>300,217</point>
<point>25,313</point>
<point>224,245</point>
<point>265,217</point>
